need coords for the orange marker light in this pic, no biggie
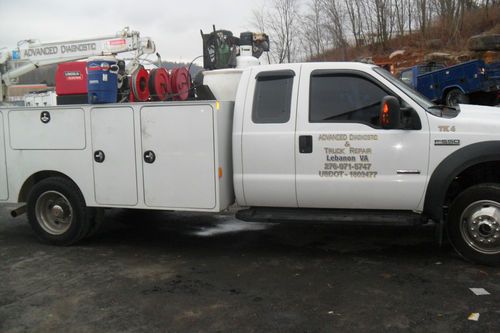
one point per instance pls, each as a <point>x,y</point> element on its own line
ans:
<point>220,172</point>
<point>385,115</point>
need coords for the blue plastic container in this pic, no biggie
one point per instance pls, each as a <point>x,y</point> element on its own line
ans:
<point>102,81</point>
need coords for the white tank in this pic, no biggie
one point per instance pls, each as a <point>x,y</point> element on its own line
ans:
<point>223,82</point>
<point>246,58</point>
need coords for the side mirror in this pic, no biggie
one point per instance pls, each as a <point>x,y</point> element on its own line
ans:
<point>390,113</point>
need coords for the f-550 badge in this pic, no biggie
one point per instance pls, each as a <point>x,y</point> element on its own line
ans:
<point>446,142</point>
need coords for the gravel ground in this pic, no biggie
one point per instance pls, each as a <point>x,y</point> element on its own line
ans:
<point>174,272</point>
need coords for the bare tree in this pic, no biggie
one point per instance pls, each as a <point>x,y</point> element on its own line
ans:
<point>369,23</point>
<point>401,8</point>
<point>354,10</point>
<point>282,25</point>
<point>313,29</point>
<point>382,10</point>
<point>451,14</point>
<point>335,23</point>
<point>423,15</point>
<point>259,18</point>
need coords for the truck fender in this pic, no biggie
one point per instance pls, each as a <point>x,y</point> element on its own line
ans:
<point>448,88</point>
<point>450,168</point>
<point>37,177</point>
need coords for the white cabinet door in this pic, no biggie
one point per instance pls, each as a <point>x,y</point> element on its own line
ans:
<point>113,144</point>
<point>3,166</point>
<point>50,129</point>
<point>178,156</point>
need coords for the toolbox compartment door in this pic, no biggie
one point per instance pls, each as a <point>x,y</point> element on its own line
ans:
<point>44,129</point>
<point>178,156</point>
<point>113,154</point>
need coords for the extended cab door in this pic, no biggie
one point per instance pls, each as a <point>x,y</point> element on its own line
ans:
<point>345,159</point>
<point>268,137</point>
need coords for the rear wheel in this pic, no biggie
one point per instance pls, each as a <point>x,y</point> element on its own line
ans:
<point>57,212</point>
<point>474,224</point>
<point>454,97</point>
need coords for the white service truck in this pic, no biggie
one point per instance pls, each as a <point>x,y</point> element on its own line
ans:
<point>319,142</point>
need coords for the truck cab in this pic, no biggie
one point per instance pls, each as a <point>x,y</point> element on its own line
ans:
<point>310,136</point>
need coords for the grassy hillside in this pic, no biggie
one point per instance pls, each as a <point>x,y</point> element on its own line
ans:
<point>416,47</point>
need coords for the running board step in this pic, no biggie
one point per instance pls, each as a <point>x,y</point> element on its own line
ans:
<point>330,216</point>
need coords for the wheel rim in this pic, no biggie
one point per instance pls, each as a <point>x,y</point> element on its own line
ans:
<point>480,226</point>
<point>54,212</point>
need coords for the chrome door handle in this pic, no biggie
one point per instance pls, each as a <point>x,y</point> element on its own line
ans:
<point>408,172</point>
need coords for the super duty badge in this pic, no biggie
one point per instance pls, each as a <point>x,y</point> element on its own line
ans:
<point>446,142</point>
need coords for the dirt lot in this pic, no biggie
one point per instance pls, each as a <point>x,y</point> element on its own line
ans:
<point>202,273</point>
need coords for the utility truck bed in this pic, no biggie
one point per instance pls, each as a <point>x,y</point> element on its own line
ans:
<point>157,155</point>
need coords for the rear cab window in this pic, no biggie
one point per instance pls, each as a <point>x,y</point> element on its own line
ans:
<point>273,97</point>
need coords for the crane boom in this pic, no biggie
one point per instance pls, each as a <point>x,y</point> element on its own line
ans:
<point>30,55</point>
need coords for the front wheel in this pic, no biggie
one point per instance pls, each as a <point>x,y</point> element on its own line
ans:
<point>474,224</point>
<point>57,212</point>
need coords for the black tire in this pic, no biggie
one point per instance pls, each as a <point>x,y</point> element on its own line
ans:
<point>454,97</point>
<point>473,229</point>
<point>57,212</point>
<point>487,99</point>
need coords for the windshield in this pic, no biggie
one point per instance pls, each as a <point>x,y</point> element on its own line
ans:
<point>416,96</point>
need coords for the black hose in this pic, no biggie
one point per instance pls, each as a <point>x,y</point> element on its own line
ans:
<point>189,68</point>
